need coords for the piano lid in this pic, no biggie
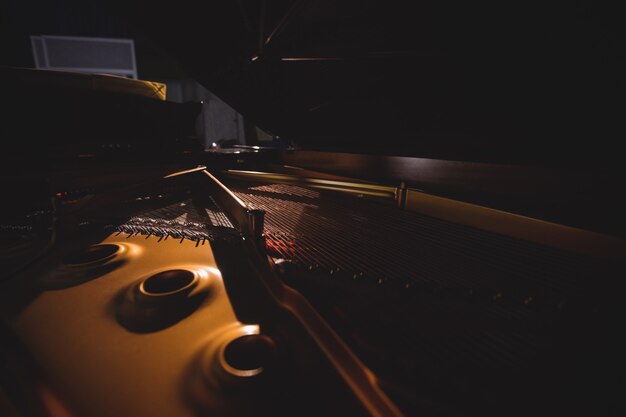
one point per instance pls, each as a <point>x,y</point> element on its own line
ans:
<point>534,81</point>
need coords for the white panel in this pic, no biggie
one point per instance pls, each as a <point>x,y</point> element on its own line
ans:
<point>81,54</point>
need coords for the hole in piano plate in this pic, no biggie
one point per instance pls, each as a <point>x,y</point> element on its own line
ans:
<point>250,352</point>
<point>95,253</point>
<point>168,282</point>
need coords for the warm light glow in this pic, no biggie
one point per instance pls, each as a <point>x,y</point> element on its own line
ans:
<point>175,174</point>
<point>251,329</point>
<point>213,271</point>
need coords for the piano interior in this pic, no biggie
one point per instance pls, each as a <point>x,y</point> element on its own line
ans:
<point>145,274</point>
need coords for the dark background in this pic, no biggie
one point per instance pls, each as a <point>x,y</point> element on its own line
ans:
<point>89,18</point>
<point>19,20</point>
<point>533,82</point>
<point>516,82</point>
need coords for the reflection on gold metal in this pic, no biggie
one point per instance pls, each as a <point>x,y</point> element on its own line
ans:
<point>188,171</point>
<point>105,368</point>
<point>83,81</point>
<point>114,83</point>
<point>160,89</point>
<point>400,195</point>
<point>226,190</point>
<point>355,188</point>
<point>197,274</point>
<point>517,226</point>
<point>247,220</point>
<point>484,218</point>
<point>119,252</point>
<point>215,367</point>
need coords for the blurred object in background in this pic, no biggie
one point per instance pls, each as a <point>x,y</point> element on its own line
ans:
<point>83,54</point>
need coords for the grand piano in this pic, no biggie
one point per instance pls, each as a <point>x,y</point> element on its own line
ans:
<point>442,236</point>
